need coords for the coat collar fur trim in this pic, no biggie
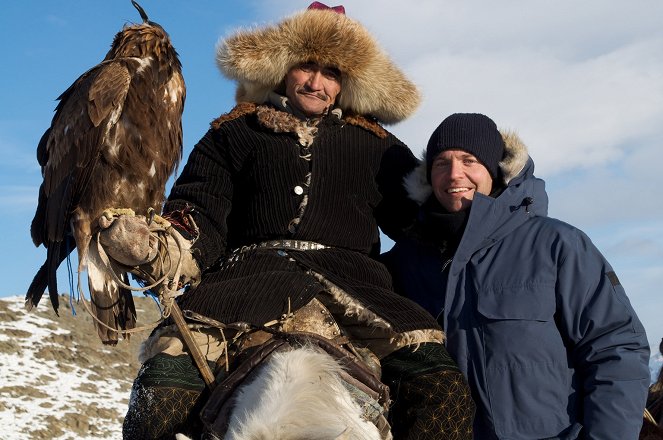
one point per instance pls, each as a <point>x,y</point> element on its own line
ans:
<point>512,164</point>
<point>280,121</point>
<point>372,85</point>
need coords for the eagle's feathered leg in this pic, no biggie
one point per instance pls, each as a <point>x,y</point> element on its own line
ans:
<point>103,289</point>
<point>81,227</point>
<point>112,305</point>
<point>104,296</point>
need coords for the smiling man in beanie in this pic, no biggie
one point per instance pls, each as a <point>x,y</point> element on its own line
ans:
<point>288,190</point>
<point>535,316</point>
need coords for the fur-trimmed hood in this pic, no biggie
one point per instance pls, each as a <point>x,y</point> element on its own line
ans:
<point>372,85</point>
<point>512,164</point>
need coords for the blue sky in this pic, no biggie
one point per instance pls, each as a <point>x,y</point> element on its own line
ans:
<point>581,82</point>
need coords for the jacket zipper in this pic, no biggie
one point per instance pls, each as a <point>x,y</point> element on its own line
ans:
<point>444,267</point>
<point>446,264</point>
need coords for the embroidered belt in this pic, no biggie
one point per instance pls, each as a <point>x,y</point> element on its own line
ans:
<point>298,245</point>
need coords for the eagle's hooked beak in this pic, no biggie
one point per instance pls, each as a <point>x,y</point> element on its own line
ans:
<point>141,11</point>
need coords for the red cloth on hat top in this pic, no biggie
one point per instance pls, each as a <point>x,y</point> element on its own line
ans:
<point>317,5</point>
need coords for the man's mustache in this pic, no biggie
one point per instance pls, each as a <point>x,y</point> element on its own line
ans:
<point>318,95</point>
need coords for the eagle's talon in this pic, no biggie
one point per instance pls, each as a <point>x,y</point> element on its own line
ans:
<point>151,213</point>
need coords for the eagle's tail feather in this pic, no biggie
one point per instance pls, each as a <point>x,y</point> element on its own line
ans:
<point>53,261</point>
<point>47,276</point>
<point>37,287</point>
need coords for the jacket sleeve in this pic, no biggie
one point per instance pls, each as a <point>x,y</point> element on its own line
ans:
<point>396,211</point>
<point>606,340</point>
<point>205,187</point>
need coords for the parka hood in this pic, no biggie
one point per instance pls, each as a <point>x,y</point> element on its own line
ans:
<point>514,166</point>
<point>371,84</point>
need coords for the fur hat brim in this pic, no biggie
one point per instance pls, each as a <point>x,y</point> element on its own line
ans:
<point>371,84</point>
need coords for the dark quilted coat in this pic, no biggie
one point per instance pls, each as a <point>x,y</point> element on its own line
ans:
<point>245,183</point>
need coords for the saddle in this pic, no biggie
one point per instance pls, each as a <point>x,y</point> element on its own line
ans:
<point>313,327</point>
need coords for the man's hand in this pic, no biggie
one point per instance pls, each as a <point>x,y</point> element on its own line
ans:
<point>128,240</point>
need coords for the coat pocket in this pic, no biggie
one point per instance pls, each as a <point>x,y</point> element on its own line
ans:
<point>518,324</point>
<point>527,376</point>
<point>531,302</point>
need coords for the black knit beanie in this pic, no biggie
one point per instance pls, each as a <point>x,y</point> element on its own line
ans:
<point>472,132</point>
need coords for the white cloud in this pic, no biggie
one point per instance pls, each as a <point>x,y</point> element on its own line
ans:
<point>628,191</point>
<point>572,111</point>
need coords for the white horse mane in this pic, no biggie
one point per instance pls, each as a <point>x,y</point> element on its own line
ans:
<point>298,395</point>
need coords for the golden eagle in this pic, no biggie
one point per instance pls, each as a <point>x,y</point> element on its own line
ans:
<point>114,140</point>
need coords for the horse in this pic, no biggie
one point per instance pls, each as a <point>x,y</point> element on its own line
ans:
<point>301,381</point>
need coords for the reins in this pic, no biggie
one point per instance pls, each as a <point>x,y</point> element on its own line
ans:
<point>649,417</point>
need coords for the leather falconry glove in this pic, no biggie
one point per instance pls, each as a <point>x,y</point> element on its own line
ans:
<point>150,251</point>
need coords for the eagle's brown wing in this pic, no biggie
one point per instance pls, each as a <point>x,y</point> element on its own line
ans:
<point>68,153</point>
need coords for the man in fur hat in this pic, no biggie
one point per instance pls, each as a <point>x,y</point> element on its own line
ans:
<point>535,316</point>
<point>288,190</point>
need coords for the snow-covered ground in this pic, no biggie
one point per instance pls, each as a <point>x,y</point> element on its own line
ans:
<point>57,381</point>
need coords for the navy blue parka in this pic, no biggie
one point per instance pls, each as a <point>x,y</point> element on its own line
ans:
<point>535,317</point>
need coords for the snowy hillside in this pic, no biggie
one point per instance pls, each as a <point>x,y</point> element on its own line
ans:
<point>58,381</point>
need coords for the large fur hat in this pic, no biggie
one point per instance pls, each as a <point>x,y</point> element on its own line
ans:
<point>258,59</point>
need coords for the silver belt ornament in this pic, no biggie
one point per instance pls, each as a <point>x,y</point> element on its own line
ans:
<point>298,245</point>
